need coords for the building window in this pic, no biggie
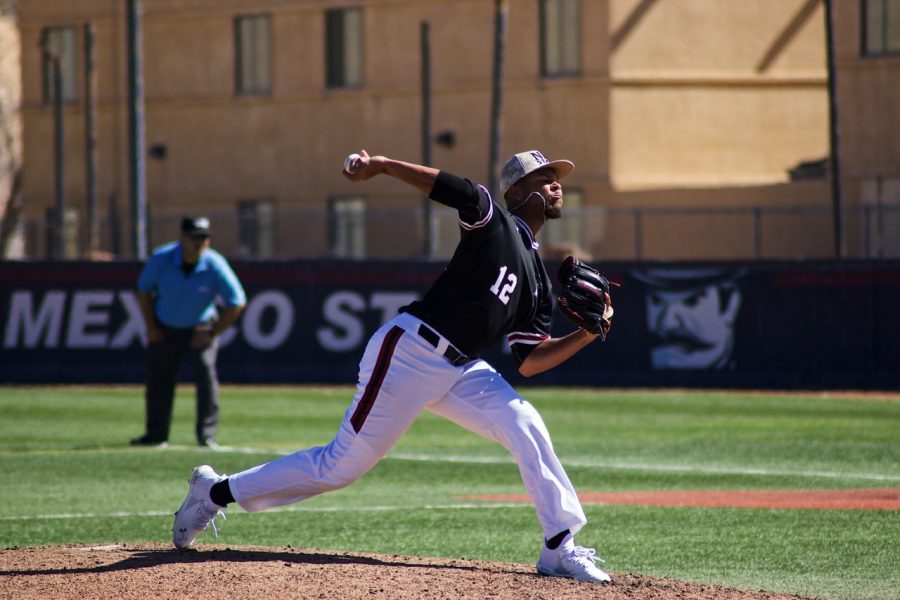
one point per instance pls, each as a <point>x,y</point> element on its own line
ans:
<point>256,228</point>
<point>347,227</point>
<point>70,224</point>
<point>881,27</point>
<point>343,47</point>
<point>253,52</point>
<point>560,37</point>
<point>566,232</point>
<point>60,41</point>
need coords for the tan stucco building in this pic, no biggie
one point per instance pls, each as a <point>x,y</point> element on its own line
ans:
<point>867,55</point>
<point>685,118</point>
<point>10,127</point>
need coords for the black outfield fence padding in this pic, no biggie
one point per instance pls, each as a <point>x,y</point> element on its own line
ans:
<point>790,325</point>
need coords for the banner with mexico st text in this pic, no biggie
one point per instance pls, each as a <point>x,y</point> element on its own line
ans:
<point>755,325</point>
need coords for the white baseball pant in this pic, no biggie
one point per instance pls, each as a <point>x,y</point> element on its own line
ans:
<point>400,375</point>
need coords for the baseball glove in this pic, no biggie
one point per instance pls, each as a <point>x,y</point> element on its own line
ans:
<point>583,297</point>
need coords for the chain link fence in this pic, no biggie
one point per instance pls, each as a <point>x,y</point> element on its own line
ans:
<point>751,233</point>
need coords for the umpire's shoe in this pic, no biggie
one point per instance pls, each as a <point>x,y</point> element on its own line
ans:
<point>148,442</point>
<point>573,562</point>
<point>197,511</point>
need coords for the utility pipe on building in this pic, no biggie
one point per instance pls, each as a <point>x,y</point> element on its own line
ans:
<point>500,10</point>
<point>138,181</point>
<point>428,249</point>
<point>90,142</point>
<point>57,238</point>
<point>840,248</point>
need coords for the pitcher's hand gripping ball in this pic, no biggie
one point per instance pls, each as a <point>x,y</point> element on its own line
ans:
<point>352,163</point>
<point>584,297</point>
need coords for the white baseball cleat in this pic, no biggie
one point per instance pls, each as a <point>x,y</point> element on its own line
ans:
<point>197,511</point>
<point>573,562</point>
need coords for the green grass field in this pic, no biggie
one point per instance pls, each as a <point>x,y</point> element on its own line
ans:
<point>68,476</point>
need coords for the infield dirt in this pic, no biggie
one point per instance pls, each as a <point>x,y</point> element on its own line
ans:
<point>125,571</point>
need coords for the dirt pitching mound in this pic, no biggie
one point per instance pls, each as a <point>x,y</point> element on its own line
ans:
<point>157,571</point>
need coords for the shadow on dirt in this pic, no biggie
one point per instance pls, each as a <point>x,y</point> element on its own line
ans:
<point>142,559</point>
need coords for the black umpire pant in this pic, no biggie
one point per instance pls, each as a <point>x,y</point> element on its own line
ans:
<point>163,365</point>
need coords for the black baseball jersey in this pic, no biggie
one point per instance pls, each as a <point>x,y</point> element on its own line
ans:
<point>495,284</point>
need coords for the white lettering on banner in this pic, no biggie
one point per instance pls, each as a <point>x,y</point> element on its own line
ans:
<point>341,310</point>
<point>44,329</point>
<point>134,327</point>
<point>390,303</point>
<point>227,336</point>
<point>348,331</point>
<point>252,322</point>
<point>81,317</point>
<point>35,319</point>
<point>47,323</point>
<point>90,313</point>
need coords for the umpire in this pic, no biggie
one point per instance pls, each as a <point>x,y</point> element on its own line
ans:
<point>179,289</point>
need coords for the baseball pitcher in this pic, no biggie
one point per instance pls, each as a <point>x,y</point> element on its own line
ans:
<point>427,358</point>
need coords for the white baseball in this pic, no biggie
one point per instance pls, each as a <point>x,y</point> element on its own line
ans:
<point>350,161</point>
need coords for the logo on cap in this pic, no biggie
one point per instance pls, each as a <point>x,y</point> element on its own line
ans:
<point>539,158</point>
<point>523,163</point>
<point>195,226</point>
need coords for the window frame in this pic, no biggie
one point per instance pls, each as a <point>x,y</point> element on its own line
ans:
<point>348,237</point>
<point>260,224</point>
<point>68,65</point>
<point>885,38</point>
<point>251,86</point>
<point>337,51</point>
<point>71,226</point>
<point>561,70</point>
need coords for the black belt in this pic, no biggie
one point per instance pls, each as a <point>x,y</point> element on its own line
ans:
<point>455,357</point>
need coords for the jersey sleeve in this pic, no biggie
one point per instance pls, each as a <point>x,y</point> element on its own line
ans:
<point>524,339</point>
<point>472,202</point>
<point>230,289</point>
<point>149,277</point>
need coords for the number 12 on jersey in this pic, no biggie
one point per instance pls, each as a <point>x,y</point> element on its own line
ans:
<point>507,289</point>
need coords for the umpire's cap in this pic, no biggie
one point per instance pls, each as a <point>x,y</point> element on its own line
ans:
<point>523,163</point>
<point>195,226</point>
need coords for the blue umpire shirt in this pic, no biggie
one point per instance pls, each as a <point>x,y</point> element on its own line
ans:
<point>183,301</point>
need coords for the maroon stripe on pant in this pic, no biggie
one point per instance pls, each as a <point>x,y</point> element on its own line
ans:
<point>377,378</point>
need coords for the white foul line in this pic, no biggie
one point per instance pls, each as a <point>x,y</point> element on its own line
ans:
<point>660,467</point>
<point>594,464</point>
<point>476,460</point>
<point>312,509</point>
<point>588,464</point>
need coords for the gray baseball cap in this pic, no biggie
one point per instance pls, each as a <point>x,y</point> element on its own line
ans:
<point>523,163</point>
